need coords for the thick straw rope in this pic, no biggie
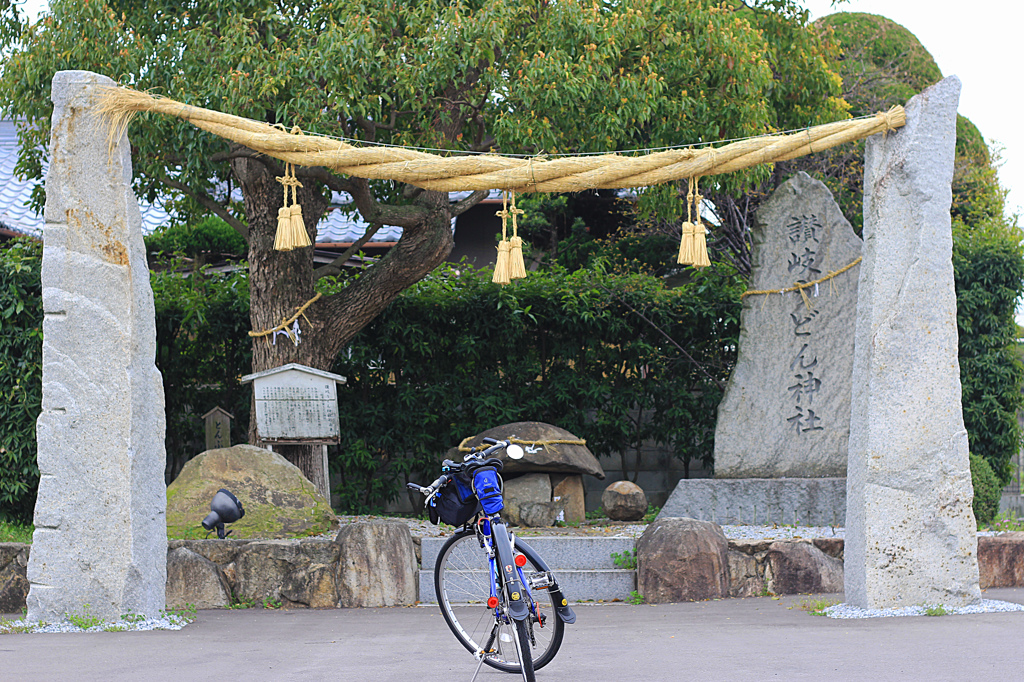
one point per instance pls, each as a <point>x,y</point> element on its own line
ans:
<point>492,171</point>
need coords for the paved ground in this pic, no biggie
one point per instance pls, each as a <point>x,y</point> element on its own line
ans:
<point>732,639</point>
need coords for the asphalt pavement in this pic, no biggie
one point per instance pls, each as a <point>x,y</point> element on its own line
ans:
<point>731,639</point>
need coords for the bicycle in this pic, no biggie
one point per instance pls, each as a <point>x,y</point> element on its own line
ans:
<point>520,627</point>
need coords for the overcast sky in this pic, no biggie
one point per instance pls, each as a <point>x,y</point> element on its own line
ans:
<point>975,42</point>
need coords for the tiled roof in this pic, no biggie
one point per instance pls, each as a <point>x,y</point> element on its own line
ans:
<point>336,226</point>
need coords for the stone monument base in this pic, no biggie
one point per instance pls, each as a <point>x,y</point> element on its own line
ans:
<point>760,501</point>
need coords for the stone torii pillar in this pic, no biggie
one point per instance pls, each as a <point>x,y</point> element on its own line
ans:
<point>101,533</point>
<point>911,537</point>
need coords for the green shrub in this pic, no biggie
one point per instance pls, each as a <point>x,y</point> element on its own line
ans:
<point>987,490</point>
<point>203,348</point>
<point>210,236</point>
<point>21,352</point>
<point>988,265</point>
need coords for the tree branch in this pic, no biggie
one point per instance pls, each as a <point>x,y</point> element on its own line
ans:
<point>334,267</point>
<point>469,202</point>
<point>207,202</point>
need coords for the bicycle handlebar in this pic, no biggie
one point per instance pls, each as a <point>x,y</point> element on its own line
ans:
<point>474,460</point>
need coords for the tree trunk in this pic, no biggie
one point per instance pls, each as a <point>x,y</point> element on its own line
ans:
<point>279,283</point>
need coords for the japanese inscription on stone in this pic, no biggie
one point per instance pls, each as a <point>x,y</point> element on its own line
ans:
<point>786,409</point>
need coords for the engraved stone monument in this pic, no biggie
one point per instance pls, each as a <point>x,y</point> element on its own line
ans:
<point>786,410</point>
<point>910,530</point>
<point>783,424</point>
<point>296,404</point>
<point>100,533</point>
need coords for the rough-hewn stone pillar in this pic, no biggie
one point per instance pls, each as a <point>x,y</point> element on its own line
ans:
<point>101,537</point>
<point>911,534</point>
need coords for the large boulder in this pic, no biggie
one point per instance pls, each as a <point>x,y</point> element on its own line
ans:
<point>279,501</point>
<point>801,568</point>
<point>1001,560</point>
<point>682,560</point>
<point>377,566</point>
<point>524,490</point>
<point>194,579</point>
<point>13,576</point>
<point>569,491</point>
<point>288,572</point>
<point>624,501</point>
<point>543,452</point>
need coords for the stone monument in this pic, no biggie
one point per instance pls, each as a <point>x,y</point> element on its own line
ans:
<point>101,536</point>
<point>783,424</point>
<point>910,531</point>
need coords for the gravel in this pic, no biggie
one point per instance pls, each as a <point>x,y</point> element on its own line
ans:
<point>166,622</point>
<point>985,606</point>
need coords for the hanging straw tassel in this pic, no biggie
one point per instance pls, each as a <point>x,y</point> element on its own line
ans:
<point>501,264</point>
<point>516,266</point>
<point>700,242</point>
<point>282,241</point>
<point>291,230</point>
<point>686,243</point>
<point>297,228</point>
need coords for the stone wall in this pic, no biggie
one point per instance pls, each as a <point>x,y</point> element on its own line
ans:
<point>311,572</point>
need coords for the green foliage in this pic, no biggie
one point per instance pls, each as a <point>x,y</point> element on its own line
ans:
<point>211,236</point>
<point>635,598</point>
<point>14,531</point>
<point>626,559</point>
<point>84,620</point>
<point>987,490</point>
<point>1005,522</point>
<point>21,351</point>
<point>936,610</point>
<point>455,355</point>
<point>815,607</point>
<point>203,348</point>
<point>988,266</point>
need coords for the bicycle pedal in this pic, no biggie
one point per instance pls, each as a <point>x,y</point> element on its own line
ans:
<point>541,580</point>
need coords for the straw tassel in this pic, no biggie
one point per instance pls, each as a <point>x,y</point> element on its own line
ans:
<point>686,243</point>
<point>516,266</point>
<point>504,247</point>
<point>700,242</point>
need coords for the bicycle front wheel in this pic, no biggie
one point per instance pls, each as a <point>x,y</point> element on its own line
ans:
<point>462,581</point>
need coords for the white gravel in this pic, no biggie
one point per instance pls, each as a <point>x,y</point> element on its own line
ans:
<point>167,622</point>
<point>985,606</point>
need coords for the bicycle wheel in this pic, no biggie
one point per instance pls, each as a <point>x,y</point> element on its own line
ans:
<point>462,584</point>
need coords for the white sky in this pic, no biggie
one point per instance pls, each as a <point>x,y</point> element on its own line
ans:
<point>976,43</point>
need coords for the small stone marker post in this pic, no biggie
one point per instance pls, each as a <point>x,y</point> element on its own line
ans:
<point>910,531</point>
<point>298,405</point>
<point>786,409</point>
<point>101,535</point>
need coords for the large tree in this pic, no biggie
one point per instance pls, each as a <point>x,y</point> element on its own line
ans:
<point>515,76</point>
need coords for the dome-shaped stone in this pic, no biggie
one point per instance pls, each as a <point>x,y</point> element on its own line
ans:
<point>545,455</point>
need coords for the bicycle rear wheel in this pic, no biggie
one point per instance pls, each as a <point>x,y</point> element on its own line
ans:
<point>462,583</point>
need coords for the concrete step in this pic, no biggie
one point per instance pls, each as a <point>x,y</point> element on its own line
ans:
<point>576,585</point>
<point>582,565</point>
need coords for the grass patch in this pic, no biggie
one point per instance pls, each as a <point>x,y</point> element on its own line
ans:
<point>937,610</point>
<point>12,531</point>
<point>635,598</point>
<point>815,607</point>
